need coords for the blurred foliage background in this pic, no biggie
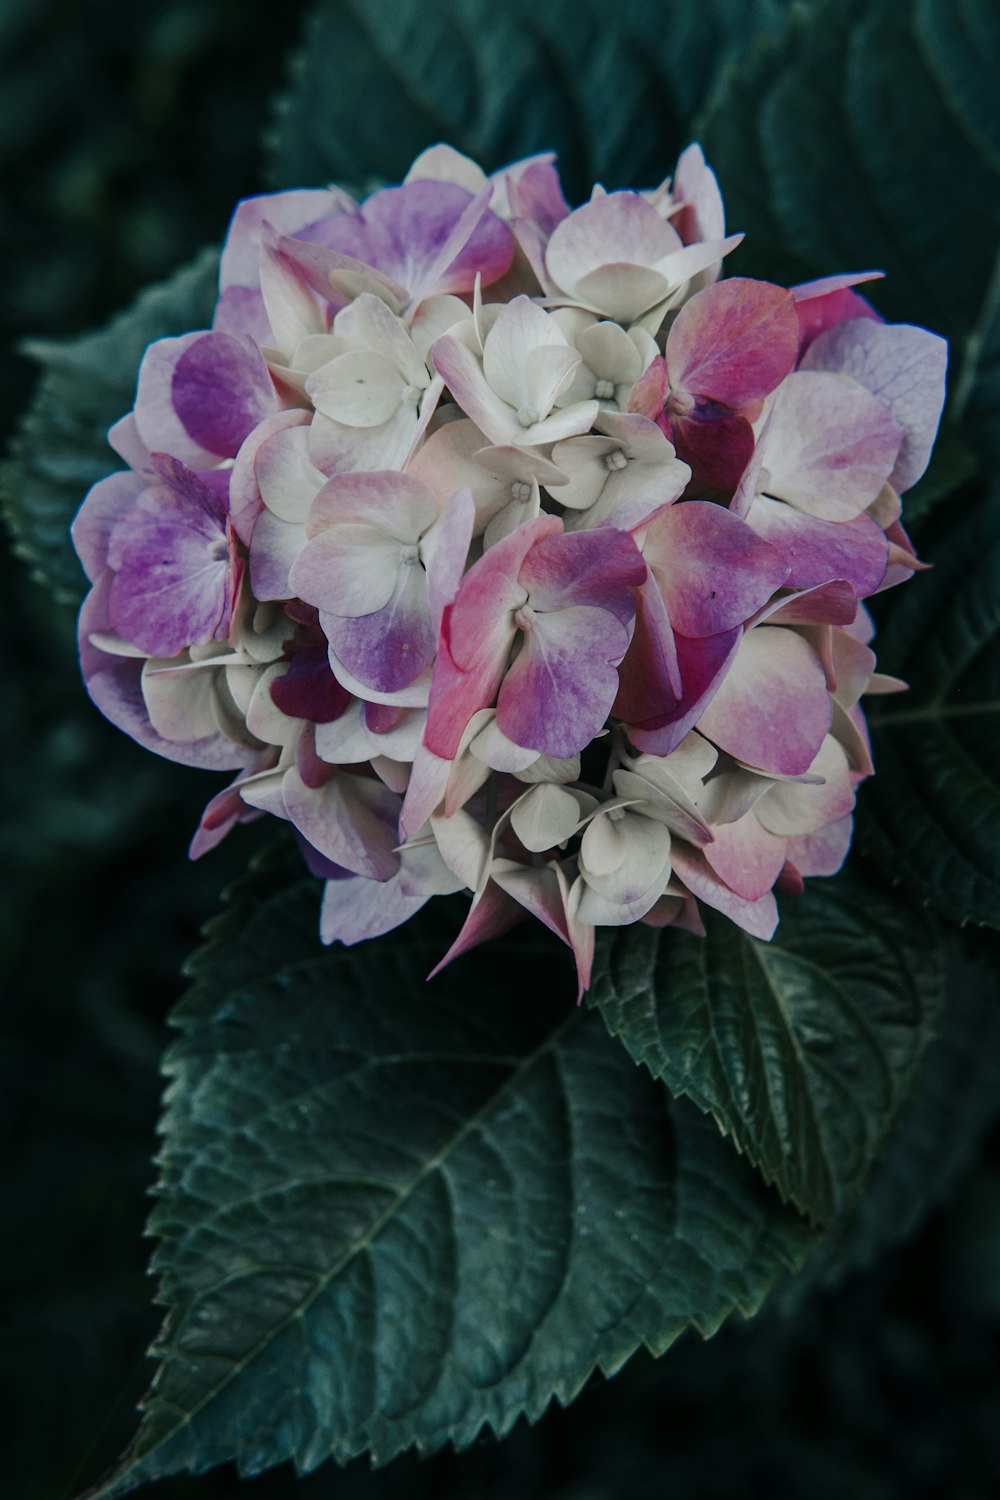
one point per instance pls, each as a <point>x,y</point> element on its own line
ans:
<point>126,134</point>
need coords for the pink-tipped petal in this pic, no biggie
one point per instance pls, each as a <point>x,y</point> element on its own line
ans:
<point>772,709</point>
<point>560,689</point>
<point>712,569</point>
<point>734,342</point>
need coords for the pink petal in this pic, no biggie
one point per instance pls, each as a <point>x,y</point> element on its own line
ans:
<point>349,570</point>
<point>492,915</point>
<point>823,852</point>
<point>356,909</point>
<point>833,603</point>
<point>649,676</point>
<point>713,571</point>
<point>746,856</point>
<point>829,300</point>
<point>490,590</point>
<point>759,918</point>
<point>445,550</point>
<point>457,694</point>
<point>400,505</point>
<point>790,808</point>
<point>734,342</point>
<point>772,709</point>
<point>831,446</point>
<point>288,213</point>
<point>614,228</point>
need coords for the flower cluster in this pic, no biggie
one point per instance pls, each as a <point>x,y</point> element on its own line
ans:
<point>506,548</point>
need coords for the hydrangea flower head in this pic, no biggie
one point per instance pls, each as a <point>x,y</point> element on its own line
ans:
<point>514,548</point>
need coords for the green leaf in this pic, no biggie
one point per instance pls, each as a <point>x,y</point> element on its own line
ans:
<point>612,91</point>
<point>977,400</point>
<point>956,1099</point>
<point>394,1213</point>
<point>86,384</point>
<point>857,139</point>
<point>931,816</point>
<point>802,1049</point>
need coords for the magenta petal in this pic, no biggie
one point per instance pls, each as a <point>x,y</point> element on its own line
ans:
<point>559,691</point>
<point>445,549</point>
<point>106,503</point>
<point>819,551</point>
<point>717,443</point>
<point>734,342</point>
<point>703,665</point>
<point>596,568</point>
<point>456,694</point>
<point>713,570</point>
<point>772,709</point>
<point>830,300</point>
<point>833,603</point>
<point>220,390</point>
<point>905,368</point>
<point>387,650</point>
<point>649,677</point>
<point>309,690</point>
<point>173,581</point>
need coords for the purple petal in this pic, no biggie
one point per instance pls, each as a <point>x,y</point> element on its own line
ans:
<point>717,443</point>
<point>649,677</point>
<point>490,590</point>
<point>115,686</point>
<point>220,390</point>
<point>106,503</point>
<point>905,368</point>
<point>819,551</point>
<point>559,691</point>
<point>173,583</point>
<point>240,311</point>
<point>274,550</point>
<point>772,709</point>
<point>391,647</point>
<point>350,819</point>
<point>713,570</point>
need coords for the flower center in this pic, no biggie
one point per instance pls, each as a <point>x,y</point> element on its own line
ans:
<point>409,554</point>
<point>411,395</point>
<point>527,416</point>
<point>680,403</point>
<point>524,618</point>
<point>604,390</point>
<point>615,460</point>
<point>521,491</point>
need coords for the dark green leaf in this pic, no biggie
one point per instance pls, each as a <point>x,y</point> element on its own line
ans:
<point>394,1213</point>
<point>87,383</point>
<point>857,140</point>
<point>931,816</point>
<point>952,469</point>
<point>802,1049</point>
<point>611,91</point>
<point>956,1099</point>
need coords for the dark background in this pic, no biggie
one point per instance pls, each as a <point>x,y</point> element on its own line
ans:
<point>128,132</point>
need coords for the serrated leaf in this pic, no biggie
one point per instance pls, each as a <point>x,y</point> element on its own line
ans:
<point>86,384</point>
<point>931,815</point>
<point>957,1096</point>
<point>854,140</point>
<point>499,82</point>
<point>802,1049</point>
<point>393,1213</point>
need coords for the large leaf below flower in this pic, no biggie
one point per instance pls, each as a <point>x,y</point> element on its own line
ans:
<point>394,1213</point>
<point>931,816</point>
<point>612,90</point>
<point>804,1048</point>
<point>86,384</point>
